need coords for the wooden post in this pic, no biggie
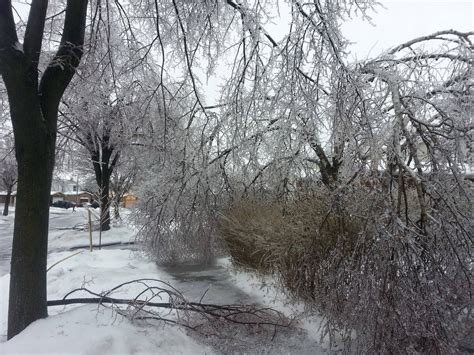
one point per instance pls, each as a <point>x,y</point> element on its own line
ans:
<point>90,229</point>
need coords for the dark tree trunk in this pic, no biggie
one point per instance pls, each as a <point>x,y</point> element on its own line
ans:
<point>34,148</point>
<point>30,243</point>
<point>103,168</point>
<point>34,111</point>
<point>7,201</point>
<point>329,172</point>
<point>117,208</point>
<point>102,177</point>
<point>105,201</point>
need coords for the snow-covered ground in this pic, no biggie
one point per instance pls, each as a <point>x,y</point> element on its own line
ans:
<point>66,231</point>
<point>92,329</point>
<point>6,232</point>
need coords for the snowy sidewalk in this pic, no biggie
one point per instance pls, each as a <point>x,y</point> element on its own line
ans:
<point>66,232</point>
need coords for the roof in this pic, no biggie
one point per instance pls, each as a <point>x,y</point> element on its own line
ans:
<point>74,193</point>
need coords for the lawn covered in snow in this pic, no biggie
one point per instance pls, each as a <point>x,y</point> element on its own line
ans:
<point>91,329</point>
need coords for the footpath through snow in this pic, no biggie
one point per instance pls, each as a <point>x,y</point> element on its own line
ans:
<point>93,329</point>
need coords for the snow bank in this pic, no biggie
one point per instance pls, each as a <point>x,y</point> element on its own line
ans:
<point>90,329</point>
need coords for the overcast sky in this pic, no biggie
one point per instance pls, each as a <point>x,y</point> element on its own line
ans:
<point>402,20</point>
<point>397,21</point>
<point>394,23</point>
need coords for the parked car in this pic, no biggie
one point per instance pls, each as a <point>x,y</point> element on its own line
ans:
<point>63,204</point>
<point>94,204</point>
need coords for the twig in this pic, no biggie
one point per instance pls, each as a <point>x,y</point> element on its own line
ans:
<point>60,261</point>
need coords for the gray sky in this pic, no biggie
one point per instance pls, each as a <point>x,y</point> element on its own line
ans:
<point>398,22</point>
<point>394,23</point>
<point>402,20</point>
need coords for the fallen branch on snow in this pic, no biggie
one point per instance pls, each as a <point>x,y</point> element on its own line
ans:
<point>111,244</point>
<point>142,307</point>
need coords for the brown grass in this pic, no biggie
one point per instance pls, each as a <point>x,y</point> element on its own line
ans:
<point>293,238</point>
<point>359,256</point>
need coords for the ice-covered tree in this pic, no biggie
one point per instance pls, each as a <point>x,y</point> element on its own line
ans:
<point>281,99</point>
<point>396,131</point>
<point>102,109</point>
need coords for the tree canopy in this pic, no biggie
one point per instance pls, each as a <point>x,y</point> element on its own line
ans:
<point>294,119</point>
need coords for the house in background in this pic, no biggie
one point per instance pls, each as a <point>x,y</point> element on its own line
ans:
<point>56,196</point>
<point>67,190</point>
<point>60,184</point>
<point>128,200</point>
<point>78,197</point>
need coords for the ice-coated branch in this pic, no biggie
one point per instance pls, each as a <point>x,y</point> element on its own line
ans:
<point>143,305</point>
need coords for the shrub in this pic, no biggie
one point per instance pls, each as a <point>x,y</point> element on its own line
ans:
<point>397,287</point>
<point>293,239</point>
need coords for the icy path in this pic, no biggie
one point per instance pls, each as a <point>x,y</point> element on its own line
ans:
<point>210,280</point>
<point>220,285</point>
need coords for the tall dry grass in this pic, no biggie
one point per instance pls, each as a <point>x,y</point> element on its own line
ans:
<point>347,254</point>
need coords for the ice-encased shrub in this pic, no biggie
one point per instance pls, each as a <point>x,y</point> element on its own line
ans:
<point>389,286</point>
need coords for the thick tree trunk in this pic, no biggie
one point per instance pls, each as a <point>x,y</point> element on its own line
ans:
<point>34,149</point>
<point>30,243</point>
<point>34,113</point>
<point>7,202</point>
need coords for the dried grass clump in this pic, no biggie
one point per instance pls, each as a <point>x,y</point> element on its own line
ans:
<point>387,284</point>
<point>293,238</point>
<point>247,227</point>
